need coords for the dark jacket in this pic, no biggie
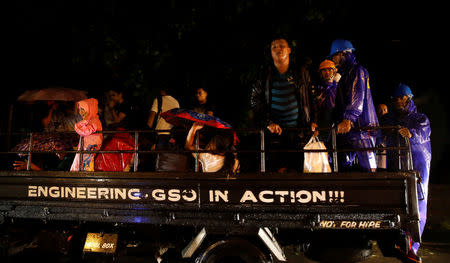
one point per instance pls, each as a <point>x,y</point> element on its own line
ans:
<point>261,97</point>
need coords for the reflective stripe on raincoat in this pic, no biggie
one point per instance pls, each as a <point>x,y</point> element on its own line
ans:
<point>354,99</point>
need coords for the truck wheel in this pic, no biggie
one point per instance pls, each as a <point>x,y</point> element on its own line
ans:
<point>343,253</point>
<point>233,251</point>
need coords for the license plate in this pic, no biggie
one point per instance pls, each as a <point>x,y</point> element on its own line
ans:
<point>101,243</point>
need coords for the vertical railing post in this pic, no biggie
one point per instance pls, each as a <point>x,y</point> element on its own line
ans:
<point>196,167</point>
<point>334,145</point>
<point>136,154</point>
<point>399,151</point>
<point>410,164</point>
<point>80,163</point>
<point>29,152</point>
<point>263,151</point>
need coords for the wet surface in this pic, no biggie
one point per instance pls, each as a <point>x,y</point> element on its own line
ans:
<point>430,252</point>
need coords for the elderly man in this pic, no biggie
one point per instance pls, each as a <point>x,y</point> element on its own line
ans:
<point>279,100</point>
<point>354,105</point>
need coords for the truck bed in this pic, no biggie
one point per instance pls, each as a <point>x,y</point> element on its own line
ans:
<point>358,201</point>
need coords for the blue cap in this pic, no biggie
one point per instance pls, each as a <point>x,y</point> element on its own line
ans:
<point>340,45</point>
<point>402,90</point>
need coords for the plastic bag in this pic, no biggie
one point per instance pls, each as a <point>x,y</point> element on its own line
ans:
<point>116,162</point>
<point>316,162</point>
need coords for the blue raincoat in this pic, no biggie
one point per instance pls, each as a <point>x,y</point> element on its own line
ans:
<point>419,126</point>
<point>354,102</point>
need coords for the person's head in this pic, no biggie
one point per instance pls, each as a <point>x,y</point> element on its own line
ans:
<point>88,108</point>
<point>401,97</point>
<point>201,95</point>
<point>382,109</point>
<point>220,143</point>
<point>339,48</point>
<point>280,49</point>
<point>115,94</point>
<point>327,70</point>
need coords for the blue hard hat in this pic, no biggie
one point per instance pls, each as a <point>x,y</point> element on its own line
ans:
<point>340,45</point>
<point>402,90</point>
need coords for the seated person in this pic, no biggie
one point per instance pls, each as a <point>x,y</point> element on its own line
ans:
<point>45,162</point>
<point>221,159</point>
<point>61,116</point>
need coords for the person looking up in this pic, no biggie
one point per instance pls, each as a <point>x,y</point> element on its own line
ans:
<point>280,100</point>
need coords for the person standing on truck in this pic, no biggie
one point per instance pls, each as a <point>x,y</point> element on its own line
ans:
<point>202,104</point>
<point>164,140</point>
<point>354,106</point>
<point>279,100</point>
<point>324,94</point>
<point>90,140</point>
<point>416,127</point>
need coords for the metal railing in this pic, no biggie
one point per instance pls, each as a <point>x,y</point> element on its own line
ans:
<point>263,149</point>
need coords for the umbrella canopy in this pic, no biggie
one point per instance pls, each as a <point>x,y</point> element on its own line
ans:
<point>53,93</point>
<point>48,142</point>
<point>185,118</point>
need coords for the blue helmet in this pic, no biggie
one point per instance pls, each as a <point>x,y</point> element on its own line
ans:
<point>402,90</point>
<point>340,45</point>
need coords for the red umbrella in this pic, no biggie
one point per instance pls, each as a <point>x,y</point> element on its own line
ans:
<point>185,118</point>
<point>53,93</point>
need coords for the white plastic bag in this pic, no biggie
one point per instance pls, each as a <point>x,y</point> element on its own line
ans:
<point>316,162</point>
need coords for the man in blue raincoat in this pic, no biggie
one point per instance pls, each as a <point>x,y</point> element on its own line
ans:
<point>416,127</point>
<point>354,106</point>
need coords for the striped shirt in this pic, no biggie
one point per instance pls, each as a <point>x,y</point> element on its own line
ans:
<point>284,104</point>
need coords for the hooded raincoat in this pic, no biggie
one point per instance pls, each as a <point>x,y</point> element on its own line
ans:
<point>419,126</point>
<point>354,102</point>
<point>90,141</point>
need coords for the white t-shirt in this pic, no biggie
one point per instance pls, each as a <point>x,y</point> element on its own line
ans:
<point>168,103</point>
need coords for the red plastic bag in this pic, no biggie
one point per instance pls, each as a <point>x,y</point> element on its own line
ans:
<point>116,162</point>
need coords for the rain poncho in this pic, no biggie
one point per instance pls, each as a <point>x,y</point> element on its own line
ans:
<point>324,101</point>
<point>419,126</point>
<point>354,102</point>
<point>91,141</point>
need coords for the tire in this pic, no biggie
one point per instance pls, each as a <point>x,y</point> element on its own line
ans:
<point>234,250</point>
<point>340,253</point>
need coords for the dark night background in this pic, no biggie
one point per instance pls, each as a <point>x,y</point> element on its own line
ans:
<point>93,44</point>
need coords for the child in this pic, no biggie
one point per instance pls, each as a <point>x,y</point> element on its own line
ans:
<point>86,128</point>
<point>221,159</point>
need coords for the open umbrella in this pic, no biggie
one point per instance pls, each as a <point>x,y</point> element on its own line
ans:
<point>48,142</point>
<point>185,118</point>
<point>53,93</point>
